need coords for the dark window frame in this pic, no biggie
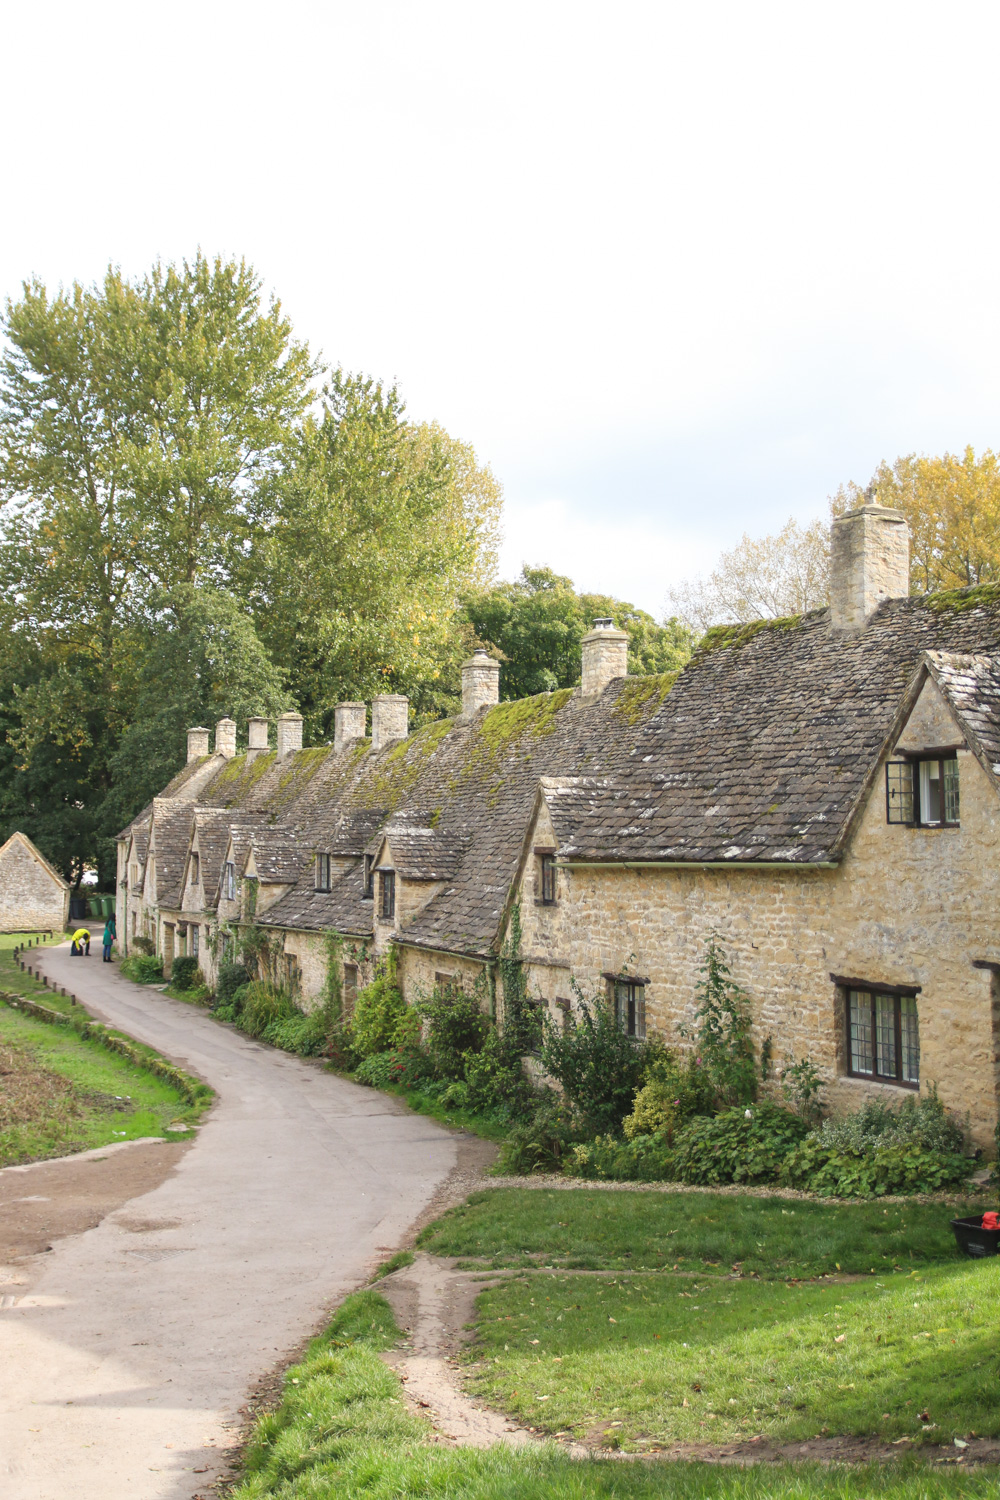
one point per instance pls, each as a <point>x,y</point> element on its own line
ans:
<point>195,867</point>
<point>367,892</point>
<point>350,986</point>
<point>195,931</point>
<point>628,996</point>
<point>903,802</point>
<point>862,1004</point>
<point>230,880</point>
<point>547,878</point>
<point>324,874</point>
<point>387,895</point>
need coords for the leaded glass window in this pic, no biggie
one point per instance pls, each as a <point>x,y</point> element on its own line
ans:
<point>883,1038</point>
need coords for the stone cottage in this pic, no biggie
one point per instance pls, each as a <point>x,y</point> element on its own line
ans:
<point>34,897</point>
<point>822,793</point>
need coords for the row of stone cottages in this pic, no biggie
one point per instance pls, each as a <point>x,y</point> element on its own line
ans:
<point>821,792</point>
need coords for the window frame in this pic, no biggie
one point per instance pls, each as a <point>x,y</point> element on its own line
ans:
<point>387,895</point>
<point>195,867</point>
<point>324,873</point>
<point>368,888</point>
<point>907,790</point>
<point>349,992</point>
<point>874,993</point>
<point>195,931</point>
<point>630,1006</point>
<point>229,875</point>
<point>547,878</point>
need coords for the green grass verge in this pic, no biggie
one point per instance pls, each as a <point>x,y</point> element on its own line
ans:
<point>670,1359</point>
<point>16,981</point>
<point>110,1098</point>
<point>462,1119</point>
<point>342,1429</point>
<point>200,996</point>
<point>595,1229</point>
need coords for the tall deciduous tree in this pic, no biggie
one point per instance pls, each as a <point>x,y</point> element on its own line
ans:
<point>537,624</point>
<point>763,578</point>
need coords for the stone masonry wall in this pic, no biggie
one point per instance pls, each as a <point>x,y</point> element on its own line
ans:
<point>907,905</point>
<point>30,900</point>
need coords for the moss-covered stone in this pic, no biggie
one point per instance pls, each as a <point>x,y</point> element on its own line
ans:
<point>642,696</point>
<point>398,770</point>
<point>945,601</point>
<point>507,723</point>
<point>719,637</point>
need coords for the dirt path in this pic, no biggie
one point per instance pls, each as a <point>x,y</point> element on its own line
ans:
<point>137,1341</point>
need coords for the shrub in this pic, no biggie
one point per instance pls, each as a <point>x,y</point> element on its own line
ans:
<point>598,1066</point>
<point>143,968</point>
<point>402,1067</point>
<point>231,977</point>
<point>185,974</point>
<point>545,1142</point>
<point>922,1122</point>
<point>801,1085</point>
<point>496,1080</point>
<point>724,1043</point>
<point>673,1092</point>
<point>883,1168</point>
<point>262,1005</point>
<point>382,1019</point>
<point>142,944</point>
<point>456,1027</point>
<point>646,1158</point>
<point>738,1145</point>
<point>302,1033</point>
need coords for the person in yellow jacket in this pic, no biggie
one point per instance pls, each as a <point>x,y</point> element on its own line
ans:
<point>81,943</point>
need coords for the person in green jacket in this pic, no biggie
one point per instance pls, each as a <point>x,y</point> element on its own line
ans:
<point>110,934</point>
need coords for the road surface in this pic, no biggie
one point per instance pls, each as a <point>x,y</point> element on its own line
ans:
<point>124,1362</point>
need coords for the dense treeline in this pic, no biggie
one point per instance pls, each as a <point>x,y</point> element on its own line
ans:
<point>197,519</point>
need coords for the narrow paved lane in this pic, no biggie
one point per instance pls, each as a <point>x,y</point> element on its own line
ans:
<point>135,1345</point>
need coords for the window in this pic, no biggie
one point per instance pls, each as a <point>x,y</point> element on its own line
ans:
<point>369,861</point>
<point>322,872</point>
<point>134,877</point>
<point>230,881</point>
<point>350,986</point>
<point>923,791</point>
<point>225,946</point>
<point>883,1039</point>
<point>447,984</point>
<point>630,1007</point>
<point>388,906</point>
<point>291,971</point>
<point>195,934</point>
<point>547,879</point>
<point>195,871</point>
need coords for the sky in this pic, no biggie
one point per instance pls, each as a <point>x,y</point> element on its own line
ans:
<point>677,271</point>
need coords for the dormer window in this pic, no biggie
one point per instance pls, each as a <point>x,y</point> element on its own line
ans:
<point>195,869</point>
<point>923,791</point>
<point>322,872</point>
<point>229,881</point>
<point>547,879</point>
<point>387,905</point>
<point>369,862</point>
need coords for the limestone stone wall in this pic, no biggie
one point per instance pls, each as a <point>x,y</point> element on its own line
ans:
<point>907,906</point>
<point>31,897</point>
<point>418,969</point>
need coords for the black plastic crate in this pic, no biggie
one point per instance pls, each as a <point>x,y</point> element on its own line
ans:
<point>974,1239</point>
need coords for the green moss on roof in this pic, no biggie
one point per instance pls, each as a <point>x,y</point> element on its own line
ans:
<point>507,723</point>
<point>642,696</point>
<point>957,600</point>
<point>721,636</point>
<point>397,771</point>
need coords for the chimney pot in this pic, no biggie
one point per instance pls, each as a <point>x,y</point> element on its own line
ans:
<point>605,656</point>
<point>869,562</point>
<point>225,738</point>
<point>480,682</point>
<point>390,719</point>
<point>197,744</point>
<point>289,734</point>
<point>348,724</point>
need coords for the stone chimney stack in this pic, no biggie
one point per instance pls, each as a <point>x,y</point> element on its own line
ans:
<point>289,734</point>
<point>225,738</point>
<point>480,682</point>
<point>348,725</point>
<point>256,738</point>
<point>197,744</point>
<point>605,657</point>
<point>390,719</point>
<point>869,562</point>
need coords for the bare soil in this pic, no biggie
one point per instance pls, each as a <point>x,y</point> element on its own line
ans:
<point>46,1200</point>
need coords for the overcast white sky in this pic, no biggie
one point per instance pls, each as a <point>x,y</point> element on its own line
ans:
<point>676,270</point>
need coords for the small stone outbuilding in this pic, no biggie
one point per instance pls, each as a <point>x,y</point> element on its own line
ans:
<point>33,895</point>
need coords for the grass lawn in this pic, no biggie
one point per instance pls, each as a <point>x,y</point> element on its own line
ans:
<point>599,1229</point>
<point>60,1092</point>
<point>342,1429</point>
<point>669,1359</point>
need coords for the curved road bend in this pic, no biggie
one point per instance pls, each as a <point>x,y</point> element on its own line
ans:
<point>139,1340</point>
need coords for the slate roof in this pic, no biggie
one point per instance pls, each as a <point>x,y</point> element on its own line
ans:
<point>171,833</point>
<point>972,685</point>
<point>277,854</point>
<point>761,751</point>
<point>213,839</point>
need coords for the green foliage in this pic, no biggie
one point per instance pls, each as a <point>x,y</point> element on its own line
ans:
<point>143,968</point>
<point>802,1087</point>
<point>495,1079</point>
<point>231,977</point>
<point>544,1142</point>
<point>382,1020</point>
<point>915,1147</point>
<point>537,623</point>
<point>644,1158</point>
<point>738,1145</point>
<point>456,1027</point>
<point>521,1021</point>
<point>261,1005</point>
<point>722,1033</point>
<point>675,1090</point>
<point>598,1066</point>
<point>142,944</point>
<point>920,1120</point>
<point>721,636</point>
<point>185,973</point>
